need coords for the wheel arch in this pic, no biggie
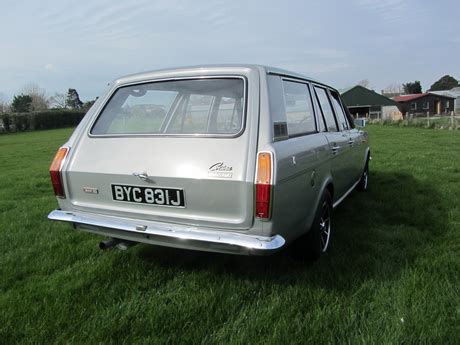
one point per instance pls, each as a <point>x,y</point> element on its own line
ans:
<point>327,184</point>
<point>367,157</point>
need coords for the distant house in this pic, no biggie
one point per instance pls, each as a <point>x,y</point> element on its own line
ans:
<point>363,102</point>
<point>455,92</point>
<point>423,103</point>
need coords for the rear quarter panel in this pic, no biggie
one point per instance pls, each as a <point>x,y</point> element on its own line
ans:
<point>302,167</point>
<point>298,183</point>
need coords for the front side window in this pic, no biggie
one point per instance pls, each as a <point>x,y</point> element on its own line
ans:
<point>341,117</point>
<point>426,105</point>
<point>299,109</point>
<point>326,109</point>
<point>447,104</point>
<point>413,106</point>
<point>182,107</point>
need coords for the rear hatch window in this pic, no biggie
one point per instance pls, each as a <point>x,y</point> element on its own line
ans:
<point>207,106</point>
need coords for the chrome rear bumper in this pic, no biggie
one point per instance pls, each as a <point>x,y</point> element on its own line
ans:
<point>171,235</point>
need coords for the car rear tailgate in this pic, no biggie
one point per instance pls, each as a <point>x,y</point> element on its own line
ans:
<point>212,172</point>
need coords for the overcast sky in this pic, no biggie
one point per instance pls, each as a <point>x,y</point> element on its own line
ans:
<point>85,44</point>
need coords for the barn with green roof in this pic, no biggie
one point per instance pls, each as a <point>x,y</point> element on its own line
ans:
<point>366,103</point>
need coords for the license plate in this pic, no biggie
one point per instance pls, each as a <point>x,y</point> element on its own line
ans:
<point>171,197</point>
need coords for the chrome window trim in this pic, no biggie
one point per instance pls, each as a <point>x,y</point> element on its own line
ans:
<point>326,89</point>
<point>300,79</point>
<point>307,84</point>
<point>166,135</point>
<point>331,96</point>
<point>348,115</point>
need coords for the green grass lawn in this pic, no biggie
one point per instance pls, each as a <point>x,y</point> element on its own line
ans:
<point>391,276</point>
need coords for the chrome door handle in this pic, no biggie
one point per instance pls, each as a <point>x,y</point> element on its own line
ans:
<point>335,149</point>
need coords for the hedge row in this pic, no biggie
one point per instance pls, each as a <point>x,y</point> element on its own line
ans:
<point>20,122</point>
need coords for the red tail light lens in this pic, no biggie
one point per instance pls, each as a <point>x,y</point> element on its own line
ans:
<point>263,185</point>
<point>55,172</point>
<point>263,200</point>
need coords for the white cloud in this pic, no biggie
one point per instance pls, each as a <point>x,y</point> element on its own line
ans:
<point>314,68</point>
<point>391,11</point>
<point>49,67</point>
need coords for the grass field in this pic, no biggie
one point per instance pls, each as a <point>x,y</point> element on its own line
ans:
<point>391,276</point>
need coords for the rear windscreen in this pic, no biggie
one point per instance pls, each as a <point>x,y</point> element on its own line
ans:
<point>189,106</point>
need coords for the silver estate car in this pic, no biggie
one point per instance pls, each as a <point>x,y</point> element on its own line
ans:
<point>240,159</point>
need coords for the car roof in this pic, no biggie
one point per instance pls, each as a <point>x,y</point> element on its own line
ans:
<point>267,69</point>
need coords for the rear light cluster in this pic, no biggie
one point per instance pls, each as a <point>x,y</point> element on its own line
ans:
<point>55,171</point>
<point>263,185</point>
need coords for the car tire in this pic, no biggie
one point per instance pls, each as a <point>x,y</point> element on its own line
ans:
<point>316,242</point>
<point>363,184</point>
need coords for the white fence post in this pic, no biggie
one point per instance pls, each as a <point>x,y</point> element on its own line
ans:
<point>427,119</point>
<point>452,120</point>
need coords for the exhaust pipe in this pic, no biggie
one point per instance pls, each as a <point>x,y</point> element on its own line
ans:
<point>109,243</point>
<point>116,242</point>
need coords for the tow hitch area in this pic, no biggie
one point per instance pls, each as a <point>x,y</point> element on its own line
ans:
<point>115,242</point>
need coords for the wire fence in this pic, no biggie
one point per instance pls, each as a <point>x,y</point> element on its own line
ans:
<point>442,121</point>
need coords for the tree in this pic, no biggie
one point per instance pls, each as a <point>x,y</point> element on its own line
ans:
<point>59,100</point>
<point>445,83</point>
<point>394,89</point>
<point>412,87</point>
<point>4,104</point>
<point>88,104</point>
<point>38,95</point>
<point>364,83</point>
<point>21,104</point>
<point>73,100</point>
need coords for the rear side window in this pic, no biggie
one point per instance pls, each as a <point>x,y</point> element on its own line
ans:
<point>182,107</point>
<point>321,123</point>
<point>299,109</point>
<point>341,117</point>
<point>326,108</point>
